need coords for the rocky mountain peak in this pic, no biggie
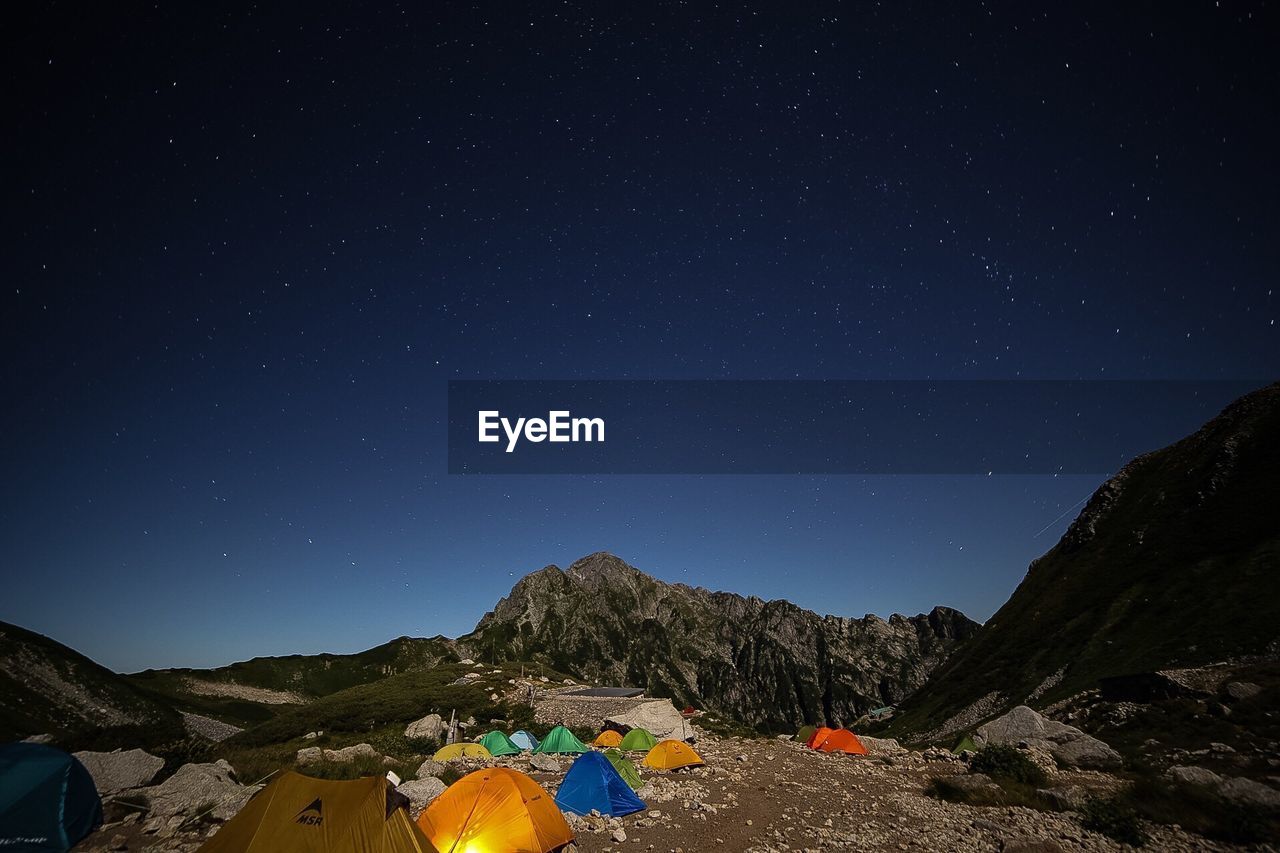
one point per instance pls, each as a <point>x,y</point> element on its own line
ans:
<point>769,663</point>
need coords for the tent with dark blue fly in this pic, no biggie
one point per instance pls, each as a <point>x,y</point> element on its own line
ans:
<point>47,799</point>
<point>592,783</point>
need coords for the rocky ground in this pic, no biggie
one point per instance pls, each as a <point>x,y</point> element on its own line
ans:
<point>754,795</point>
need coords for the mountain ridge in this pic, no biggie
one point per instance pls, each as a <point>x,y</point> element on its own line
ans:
<point>607,621</point>
<point>1171,563</point>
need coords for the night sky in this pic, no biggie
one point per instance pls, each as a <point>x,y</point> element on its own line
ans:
<point>245,250</point>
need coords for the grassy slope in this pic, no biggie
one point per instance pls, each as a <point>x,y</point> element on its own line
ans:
<point>1180,571</point>
<point>25,707</point>
<point>308,676</point>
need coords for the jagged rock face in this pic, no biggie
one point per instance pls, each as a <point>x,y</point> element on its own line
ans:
<point>770,664</point>
<point>1172,563</point>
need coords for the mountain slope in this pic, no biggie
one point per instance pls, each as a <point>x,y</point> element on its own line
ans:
<point>1173,562</point>
<point>47,688</point>
<point>770,664</point>
<point>249,691</point>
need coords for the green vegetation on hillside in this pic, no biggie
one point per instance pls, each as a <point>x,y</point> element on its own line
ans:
<point>1172,563</point>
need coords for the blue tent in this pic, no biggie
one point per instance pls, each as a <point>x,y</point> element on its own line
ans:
<point>592,783</point>
<point>47,799</point>
<point>525,740</point>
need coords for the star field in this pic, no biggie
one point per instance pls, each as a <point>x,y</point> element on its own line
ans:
<point>246,247</point>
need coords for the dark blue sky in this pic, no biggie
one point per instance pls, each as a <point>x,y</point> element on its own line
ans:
<point>245,250</point>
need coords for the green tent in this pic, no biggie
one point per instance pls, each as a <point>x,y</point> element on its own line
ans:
<point>625,768</point>
<point>638,740</point>
<point>805,733</point>
<point>965,744</point>
<point>560,740</point>
<point>498,744</point>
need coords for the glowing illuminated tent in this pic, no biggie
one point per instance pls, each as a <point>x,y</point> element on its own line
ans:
<point>818,736</point>
<point>497,810</point>
<point>298,814</point>
<point>454,751</point>
<point>842,740</point>
<point>593,783</point>
<point>524,740</point>
<point>498,744</point>
<point>607,738</point>
<point>672,755</point>
<point>625,768</point>
<point>805,733</point>
<point>45,794</point>
<point>560,740</point>
<point>638,740</point>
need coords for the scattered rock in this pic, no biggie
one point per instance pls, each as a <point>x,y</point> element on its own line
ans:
<point>431,726</point>
<point>619,835</point>
<point>545,763</point>
<point>312,735</point>
<point>119,842</point>
<point>430,768</point>
<point>116,771</point>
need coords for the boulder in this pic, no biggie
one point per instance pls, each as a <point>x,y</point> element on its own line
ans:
<point>116,771</point>
<point>43,739</point>
<point>881,745</point>
<point>545,763</point>
<point>1067,744</point>
<point>1240,690</point>
<point>431,726</point>
<point>660,717</point>
<point>1247,792</point>
<point>1069,798</point>
<point>421,792</point>
<point>430,769</point>
<point>197,786</point>
<point>1086,753</point>
<point>309,755</point>
<point>1194,776</point>
<point>351,753</point>
<point>974,783</point>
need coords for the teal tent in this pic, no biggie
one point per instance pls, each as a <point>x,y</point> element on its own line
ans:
<point>525,740</point>
<point>561,741</point>
<point>592,784</point>
<point>498,744</point>
<point>47,799</point>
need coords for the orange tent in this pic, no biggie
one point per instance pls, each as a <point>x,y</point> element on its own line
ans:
<point>672,754</point>
<point>843,740</point>
<point>607,739</point>
<point>818,737</point>
<point>497,810</point>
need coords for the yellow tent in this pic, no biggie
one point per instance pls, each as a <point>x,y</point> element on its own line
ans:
<point>298,814</point>
<point>496,810</point>
<point>672,754</point>
<point>460,750</point>
<point>607,739</point>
